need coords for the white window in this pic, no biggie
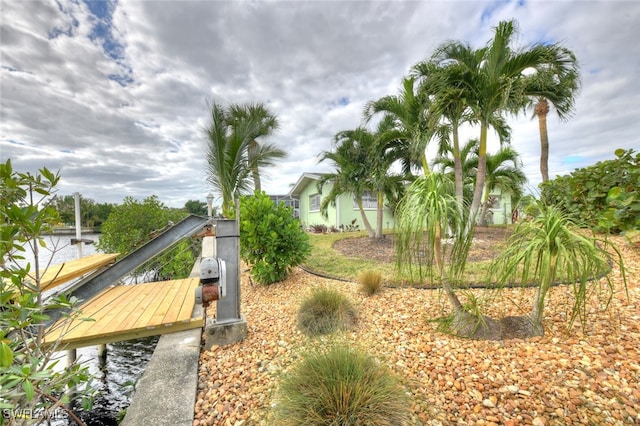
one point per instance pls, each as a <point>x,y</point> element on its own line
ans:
<point>314,203</point>
<point>369,201</point>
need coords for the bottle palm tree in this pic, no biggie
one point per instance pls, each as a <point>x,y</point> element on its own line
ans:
<point>547,247</point>
<point>230,136</point>
<point>495,75</point>
<point>553,86</point>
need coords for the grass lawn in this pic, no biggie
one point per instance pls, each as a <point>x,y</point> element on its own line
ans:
<point>327,260</point>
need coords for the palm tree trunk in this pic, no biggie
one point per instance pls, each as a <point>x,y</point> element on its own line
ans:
<point>485,206</point>
<point>365,220</point>
<point>380,212</point>
<point>480,175</point>
<point>541,110</point>
<point>446,285</point>
<point>538,303</point>
<point>425,164</point>
<point>457,167</point>
<point>253,146</point>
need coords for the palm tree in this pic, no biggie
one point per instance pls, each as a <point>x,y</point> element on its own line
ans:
<point>446,163</point>
<point>558,87</point>
<point>349,159</point>
<point>447,88</point>
<point>542,247</point>
<point>408,110</point>
<point>509,178</point>
<point>494,76</point>
<point>382,146</point>
<point>229,136</point>
<point>267,124</point>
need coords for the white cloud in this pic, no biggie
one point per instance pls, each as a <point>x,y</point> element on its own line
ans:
<point>120,112</point>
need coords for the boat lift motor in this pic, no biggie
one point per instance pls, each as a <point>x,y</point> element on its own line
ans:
<point>213,277</point>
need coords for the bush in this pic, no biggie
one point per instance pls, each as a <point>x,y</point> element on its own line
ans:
<point>602,196</point>
<point>318,228</point>
<point>341,386</point>
<point>324,311</point>
<point>271,240</point>
<point>370,282</point>
<point>29,380</point>
<point>133,223</point>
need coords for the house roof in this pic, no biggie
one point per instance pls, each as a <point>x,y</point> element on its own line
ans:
<point>304,180</point>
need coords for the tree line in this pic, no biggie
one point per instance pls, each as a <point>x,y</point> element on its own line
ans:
<point>94,215</point>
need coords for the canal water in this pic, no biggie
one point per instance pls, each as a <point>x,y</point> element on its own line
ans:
<point>115,380</point>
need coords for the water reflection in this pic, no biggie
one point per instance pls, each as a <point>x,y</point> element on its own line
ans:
<point>116,379</point>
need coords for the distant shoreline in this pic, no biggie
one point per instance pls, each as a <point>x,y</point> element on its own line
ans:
<point>71,230</point>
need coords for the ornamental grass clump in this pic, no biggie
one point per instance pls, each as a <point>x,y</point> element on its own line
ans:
<point>370,282</point>
<point>342,386</point>
<point>324,311</point>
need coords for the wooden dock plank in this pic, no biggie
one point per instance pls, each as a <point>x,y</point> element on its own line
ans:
<point>101,309</point>
<point>132,311</point>
<point>88,309</point>
<point>170,297</point>
<point>189,300</point>
<point>173,314</point>
<point>55,275</point>
<point>137,305</point>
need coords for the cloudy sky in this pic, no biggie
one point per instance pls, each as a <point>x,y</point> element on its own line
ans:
<point>114,94</point>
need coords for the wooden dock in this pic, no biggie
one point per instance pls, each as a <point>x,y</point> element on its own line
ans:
<point>127,312</point>
<point>56,275</point>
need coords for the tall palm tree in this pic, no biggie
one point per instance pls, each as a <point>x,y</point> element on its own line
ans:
<point>495,77</point>
<point>382,146</point>
<point>446,162</point>
<point>553,86</point>
<point>413,130</point>
<point>229,137</point>
<point>446,86</point>
<point>267,124</point>
<point>500,174</point>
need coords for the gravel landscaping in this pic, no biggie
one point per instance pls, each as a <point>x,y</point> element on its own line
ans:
<point>576,378</point>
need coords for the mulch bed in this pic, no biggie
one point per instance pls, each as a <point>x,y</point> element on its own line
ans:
<point>576,377</point>
<point>487,242</point>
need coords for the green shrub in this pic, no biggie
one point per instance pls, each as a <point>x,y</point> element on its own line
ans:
<point>271,239</point>
<point>370,282</point>
<point>341,386</point>
<point>603,196</point>
<point>324,311</point>
<point>133,223</point>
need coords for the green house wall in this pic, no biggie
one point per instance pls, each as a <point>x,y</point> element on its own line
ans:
<point>343,213</point>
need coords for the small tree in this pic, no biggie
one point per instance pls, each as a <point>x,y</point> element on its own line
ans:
<point>29,379</point>
<point>539,249</point>
<point>133,223</point>
<point>271,239</point>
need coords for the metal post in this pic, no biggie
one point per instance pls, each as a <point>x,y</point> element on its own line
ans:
<point>71,357</point>
<point>71,354</point>
<point>102,355</point>
<point>209,204</point>
<point>76,196</point>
